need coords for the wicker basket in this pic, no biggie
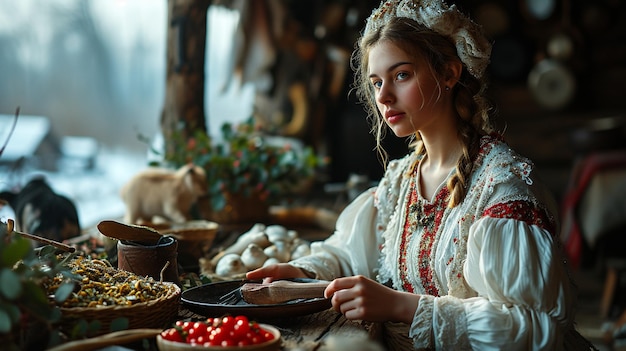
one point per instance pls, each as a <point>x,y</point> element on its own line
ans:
<point>157,313</point>
<point>194,241</point>
<point>192,230</point>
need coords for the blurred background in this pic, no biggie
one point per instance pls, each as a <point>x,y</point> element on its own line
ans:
<point>95,71</point>
<point>90,80</point>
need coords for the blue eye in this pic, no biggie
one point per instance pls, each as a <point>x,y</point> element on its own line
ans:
<point>377,83</point>
<point>402,75</point>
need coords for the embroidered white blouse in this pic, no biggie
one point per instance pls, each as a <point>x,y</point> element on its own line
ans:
<point>489,271</point>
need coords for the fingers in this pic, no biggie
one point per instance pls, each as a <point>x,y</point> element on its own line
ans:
<point>345,304</point>
<point>261,273</point>
<point>343,294</point>
<point>359,297</point>
<point>274,272</point>
<point>350,305</point>
<point>342,284</point>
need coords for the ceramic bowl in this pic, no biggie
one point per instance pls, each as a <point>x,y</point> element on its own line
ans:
<point>272,345</point>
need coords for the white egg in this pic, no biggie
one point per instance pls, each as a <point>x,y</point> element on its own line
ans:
<point>229,265</point>
<point>270,261</point>
<point>300,251</point>
<point>253,256</point>
<point>276,232</point>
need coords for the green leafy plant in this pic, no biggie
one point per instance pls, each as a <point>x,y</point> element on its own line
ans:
<point>29,312</point>
<point>26,312</point>
<point>245,162</point>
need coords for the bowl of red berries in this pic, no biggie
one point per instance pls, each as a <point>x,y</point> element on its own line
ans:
<point>219,333</point>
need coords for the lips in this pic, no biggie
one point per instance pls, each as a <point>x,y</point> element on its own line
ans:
<point>393,116</point>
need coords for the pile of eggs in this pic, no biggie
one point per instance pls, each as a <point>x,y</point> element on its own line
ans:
<point>260,246</point>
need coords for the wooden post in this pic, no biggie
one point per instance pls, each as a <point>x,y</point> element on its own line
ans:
<point>184,92</point>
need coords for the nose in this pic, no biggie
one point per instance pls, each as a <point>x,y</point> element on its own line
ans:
<point>384,94</point>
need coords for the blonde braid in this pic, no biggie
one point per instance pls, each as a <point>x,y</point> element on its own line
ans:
<point>473,111</point>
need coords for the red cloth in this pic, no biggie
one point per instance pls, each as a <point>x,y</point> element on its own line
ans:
<point>583,172</point>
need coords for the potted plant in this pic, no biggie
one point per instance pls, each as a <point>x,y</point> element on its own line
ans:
<point>245,169</point>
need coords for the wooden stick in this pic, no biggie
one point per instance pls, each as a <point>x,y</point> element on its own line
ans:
<point>10,229</point>
<point>56,244</point>
<point>115,338</point>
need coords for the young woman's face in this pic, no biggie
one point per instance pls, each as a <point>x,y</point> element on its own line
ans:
<point>407,93</point>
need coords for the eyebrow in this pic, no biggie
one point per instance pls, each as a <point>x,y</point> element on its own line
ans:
<point>392,67</point>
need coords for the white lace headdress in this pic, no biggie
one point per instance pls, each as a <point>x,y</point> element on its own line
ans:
<point>472,46</point>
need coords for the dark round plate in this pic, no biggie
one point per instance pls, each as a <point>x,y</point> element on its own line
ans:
<point>204,300</point>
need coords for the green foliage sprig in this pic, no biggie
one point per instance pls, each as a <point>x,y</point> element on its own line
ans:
<point>23,300</point>
<point>244,162</point>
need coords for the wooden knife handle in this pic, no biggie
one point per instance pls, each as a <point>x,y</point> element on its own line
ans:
<point>280,291</point>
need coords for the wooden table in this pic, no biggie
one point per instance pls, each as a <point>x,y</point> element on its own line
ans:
<point>326,330</point>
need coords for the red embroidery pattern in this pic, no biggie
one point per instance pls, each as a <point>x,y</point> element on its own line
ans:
<point>522,211</point>
<point>427,216</point>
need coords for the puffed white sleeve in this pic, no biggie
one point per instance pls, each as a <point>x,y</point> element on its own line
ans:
<point>524,300</point>
<point>352,249</point>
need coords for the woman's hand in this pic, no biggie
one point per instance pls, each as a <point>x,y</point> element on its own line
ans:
<point>275,272</point>
<point>361,298</point>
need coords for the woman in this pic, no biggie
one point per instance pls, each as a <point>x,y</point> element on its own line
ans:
<point>458,238</point>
